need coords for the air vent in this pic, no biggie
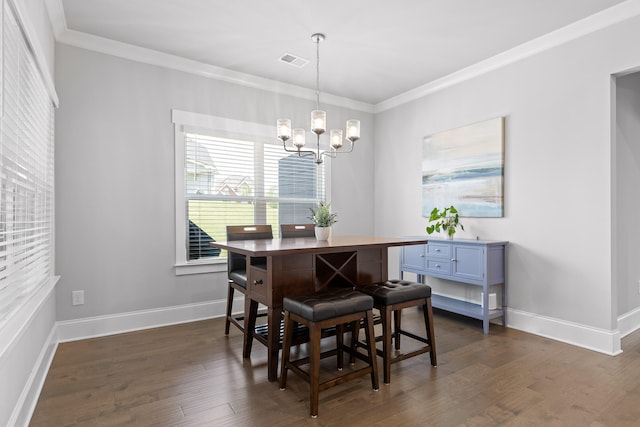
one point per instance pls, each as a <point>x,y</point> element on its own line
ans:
<point>296,61</point>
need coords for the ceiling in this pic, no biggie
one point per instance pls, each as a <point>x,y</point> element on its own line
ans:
<point>374,50</point>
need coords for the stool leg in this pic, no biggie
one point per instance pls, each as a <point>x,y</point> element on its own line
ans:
<point>371,349</point>
<point>386,314</point>
<point>286,349</point>
<point>314,367</point>
<point>397,320</point>
<point>431,336</point>
<point>339,343</point>
<point>227,322</point>
<point>355,334</point>
<point>250,315</point>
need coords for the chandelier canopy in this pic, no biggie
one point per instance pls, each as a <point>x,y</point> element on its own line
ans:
<point>318,125</point>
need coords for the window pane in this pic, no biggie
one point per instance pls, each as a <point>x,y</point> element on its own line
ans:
<point>234,182</point>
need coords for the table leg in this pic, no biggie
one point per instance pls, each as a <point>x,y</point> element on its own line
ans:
<point>273,342</point>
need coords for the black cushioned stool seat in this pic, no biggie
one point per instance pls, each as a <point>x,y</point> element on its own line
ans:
<point>327,305</point>
<point>390,297</point>
<point>335,307</point>
<point>396,291</point>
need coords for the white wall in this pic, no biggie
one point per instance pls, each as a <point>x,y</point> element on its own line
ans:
<point>627,174</point>
<point>557,178</point>
<point>115,173</point>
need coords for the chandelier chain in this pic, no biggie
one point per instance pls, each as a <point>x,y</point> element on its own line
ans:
<point>317,73</point>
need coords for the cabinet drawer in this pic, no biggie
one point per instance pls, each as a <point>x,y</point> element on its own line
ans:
<point>438,266</point>
<point>413,257</point>
<point>438,250</point>
<point>258,283</point>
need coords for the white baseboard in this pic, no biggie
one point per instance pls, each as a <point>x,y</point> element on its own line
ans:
<point>31,391</point>
<point>91,327</point>
<point>600,340</point>
<point>629,322</point>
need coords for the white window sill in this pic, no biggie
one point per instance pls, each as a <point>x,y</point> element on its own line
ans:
<point>200,267</point>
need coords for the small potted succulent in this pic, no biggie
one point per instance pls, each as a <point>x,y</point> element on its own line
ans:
<point>323,218</point>
<point>445,220</point>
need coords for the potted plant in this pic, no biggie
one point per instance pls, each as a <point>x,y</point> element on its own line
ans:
<point>323,218</point>
<point>446,220</point>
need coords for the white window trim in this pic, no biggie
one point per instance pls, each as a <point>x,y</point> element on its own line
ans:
<point>183,122</point>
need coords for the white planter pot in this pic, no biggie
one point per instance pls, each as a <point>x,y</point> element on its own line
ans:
<point>323,233</point>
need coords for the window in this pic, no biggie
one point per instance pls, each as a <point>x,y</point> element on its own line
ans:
<point>235,173</point>
<point>26,172</point>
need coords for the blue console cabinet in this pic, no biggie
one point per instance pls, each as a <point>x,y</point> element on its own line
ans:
<point>476,262</point>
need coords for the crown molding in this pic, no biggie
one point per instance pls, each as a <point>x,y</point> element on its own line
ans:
<point>590,24</point>
<point>149,56</point>
<point>598,21</point>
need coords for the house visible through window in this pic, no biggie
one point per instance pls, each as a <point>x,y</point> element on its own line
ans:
<point>241,180</point>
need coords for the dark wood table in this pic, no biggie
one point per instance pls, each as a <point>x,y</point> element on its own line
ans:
<point>297,266</point>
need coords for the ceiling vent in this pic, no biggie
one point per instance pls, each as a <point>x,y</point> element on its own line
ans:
<point>296,61</point>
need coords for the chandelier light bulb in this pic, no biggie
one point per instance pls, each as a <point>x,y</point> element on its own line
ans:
<point>284,129</point>
<point>318,122</point>
<point>335,138</point>
<point>353,130</point>
<point>299,138</point>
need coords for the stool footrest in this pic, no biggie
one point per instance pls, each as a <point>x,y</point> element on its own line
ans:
<point>305,360</point>
<point>403,356</point>
<point>414,336</point>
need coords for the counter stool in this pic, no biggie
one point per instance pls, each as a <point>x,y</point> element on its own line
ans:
<point>237,271</point>
<point>335,307</point>
<point>391,297</point>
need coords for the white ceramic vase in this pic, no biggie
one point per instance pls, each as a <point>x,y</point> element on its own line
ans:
<point>323,233</point>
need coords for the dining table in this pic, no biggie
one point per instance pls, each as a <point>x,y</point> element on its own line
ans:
<point>277,268</point>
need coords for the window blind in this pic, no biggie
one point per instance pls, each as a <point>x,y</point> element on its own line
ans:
<point>241,182</point>
<point>26,172</point>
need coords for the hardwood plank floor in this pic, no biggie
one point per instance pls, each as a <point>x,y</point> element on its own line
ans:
<point>192,375</point>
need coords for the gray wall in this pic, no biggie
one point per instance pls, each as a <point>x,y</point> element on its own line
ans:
<point>627,202</point>
<point>558,202</point>
<point>115,178</point>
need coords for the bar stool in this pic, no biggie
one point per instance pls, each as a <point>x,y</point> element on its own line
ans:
<point>237,271</point>
<point>297,230</point>
<point>393,296</point>
<point>335,307</point>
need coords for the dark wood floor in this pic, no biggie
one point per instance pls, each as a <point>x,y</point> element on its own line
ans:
<point>191,374</point>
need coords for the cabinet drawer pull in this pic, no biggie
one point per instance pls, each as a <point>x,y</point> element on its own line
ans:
<point>422,255</point>
<point>453,260</point>
<point>258,282</point>
<point>437,266</point>
<point>437,250</point>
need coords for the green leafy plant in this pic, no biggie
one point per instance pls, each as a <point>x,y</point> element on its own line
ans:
<point>446,220</point>
<point>322,216</point>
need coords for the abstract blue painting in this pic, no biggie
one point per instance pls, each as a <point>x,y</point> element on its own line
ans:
<point>464,167</point>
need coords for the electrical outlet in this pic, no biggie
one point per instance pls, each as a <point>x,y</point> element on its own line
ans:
<point>77,297</point>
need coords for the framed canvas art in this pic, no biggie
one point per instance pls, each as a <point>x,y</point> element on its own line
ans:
<point>464,167</point>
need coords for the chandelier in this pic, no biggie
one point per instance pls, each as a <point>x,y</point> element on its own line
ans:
<point>318,125</point>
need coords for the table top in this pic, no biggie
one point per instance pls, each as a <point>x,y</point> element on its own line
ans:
<point>270,247</point>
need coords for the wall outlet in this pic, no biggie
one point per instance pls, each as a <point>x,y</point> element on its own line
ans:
<point>77,297</point>
<point>493,301</point>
